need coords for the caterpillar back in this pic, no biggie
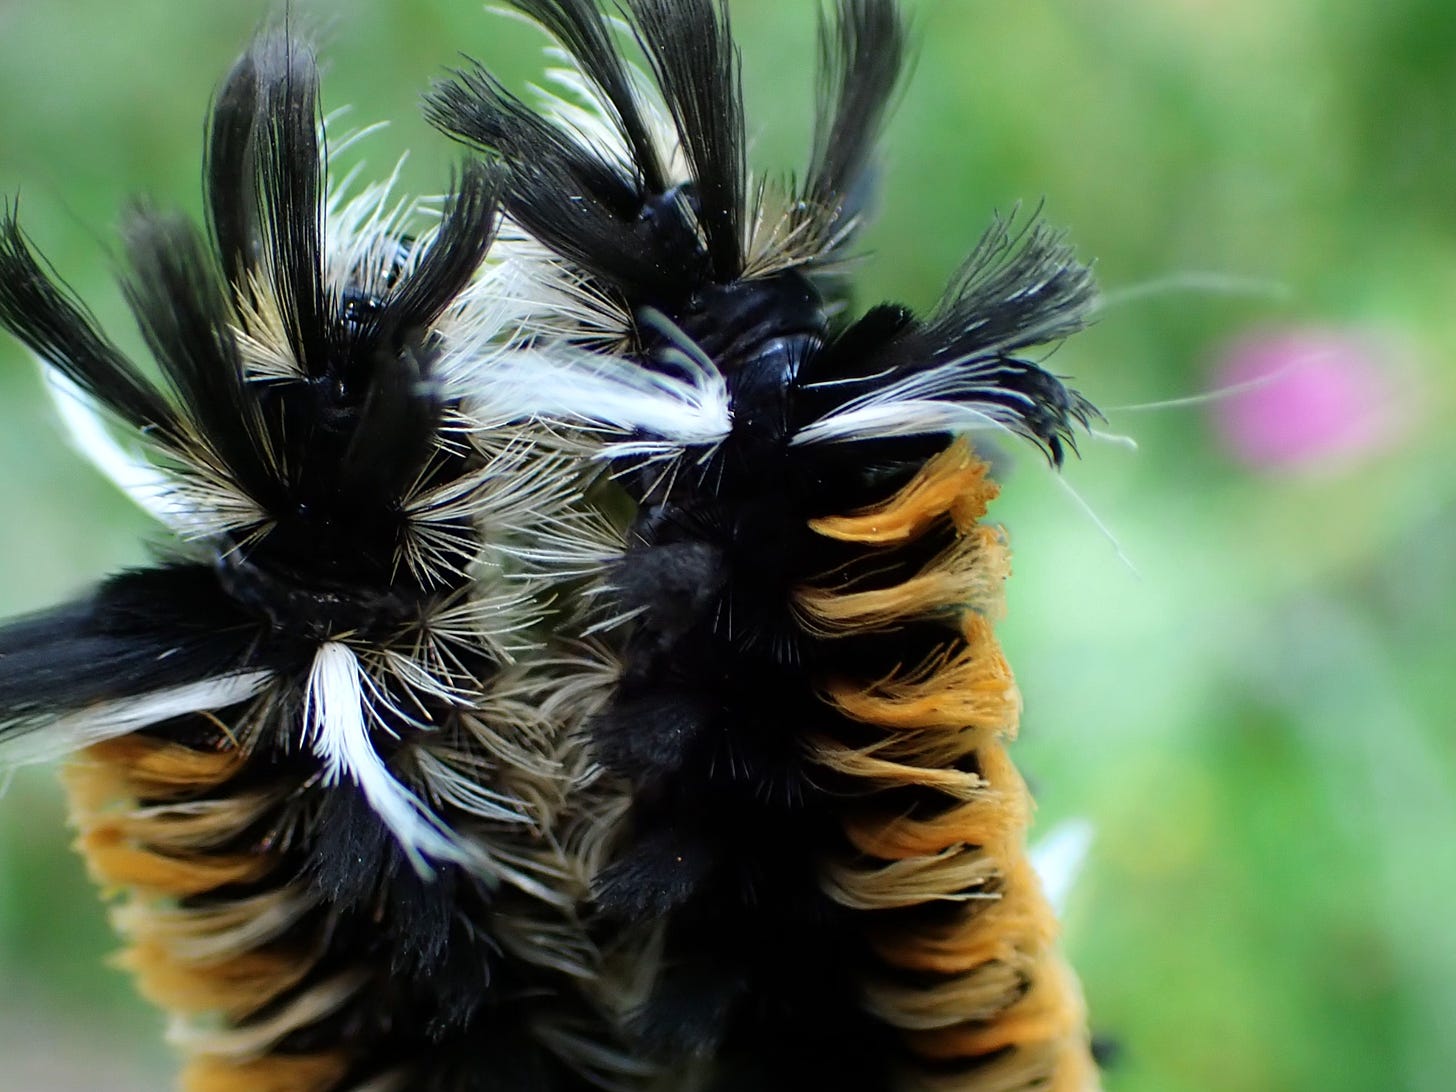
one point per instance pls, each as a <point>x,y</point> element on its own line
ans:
<point>812,709</point>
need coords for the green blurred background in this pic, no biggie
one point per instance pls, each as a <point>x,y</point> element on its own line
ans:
<point>1256,721</point>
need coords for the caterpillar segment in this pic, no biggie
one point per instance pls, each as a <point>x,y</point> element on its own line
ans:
<point>217,927</point>
<point>967,967</point>
<point>810,709</point>
<point>323,759</point>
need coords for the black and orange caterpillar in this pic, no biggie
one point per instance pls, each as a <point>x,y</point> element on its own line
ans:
<point>811,708</point>
<point>334,778</point>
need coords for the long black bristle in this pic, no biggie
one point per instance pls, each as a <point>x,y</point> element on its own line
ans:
<point>229,188</point>
<point>584,32</point>
<point>689,45</point>
<point>862,58</point>
<point>451,260</point>
<point>138,632</point>
<point>288,161</point>
<point>576,202</point>
<point>174,293</point>
<point>41,313</point>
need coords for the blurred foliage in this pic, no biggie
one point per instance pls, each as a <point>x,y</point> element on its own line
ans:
<point>1256,720</point>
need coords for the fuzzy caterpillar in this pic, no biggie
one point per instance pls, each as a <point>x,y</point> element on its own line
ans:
<point>811,708</point>
<point>332,791</point>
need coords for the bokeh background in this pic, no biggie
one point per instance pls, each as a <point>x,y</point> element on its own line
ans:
<point>1252,705</point>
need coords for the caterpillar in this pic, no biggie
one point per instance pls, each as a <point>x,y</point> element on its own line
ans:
<point>811,708</point>
<point>316,749</point>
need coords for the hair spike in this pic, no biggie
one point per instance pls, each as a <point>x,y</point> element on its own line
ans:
<point>689,44</point>
<point>44,315</point>
<point>862,60</point>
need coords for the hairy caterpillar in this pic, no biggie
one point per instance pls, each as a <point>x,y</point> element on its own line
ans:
<point>811,707</point>
<point>312,751</point>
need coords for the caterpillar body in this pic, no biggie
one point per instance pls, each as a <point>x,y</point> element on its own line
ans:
<point>811,708</point>
<point>316,751</point>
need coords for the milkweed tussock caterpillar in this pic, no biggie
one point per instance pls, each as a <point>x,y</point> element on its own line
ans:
<point>811,708</point>
<point>333,796</point>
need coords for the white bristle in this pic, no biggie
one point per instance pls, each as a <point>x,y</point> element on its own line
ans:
<point>111,719</point>
<point>338,719</point>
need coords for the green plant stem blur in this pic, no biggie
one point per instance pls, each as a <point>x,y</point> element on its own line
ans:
<point>1257,720</point>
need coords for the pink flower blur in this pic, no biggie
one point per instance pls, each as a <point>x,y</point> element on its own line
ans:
<point>1310,398</point>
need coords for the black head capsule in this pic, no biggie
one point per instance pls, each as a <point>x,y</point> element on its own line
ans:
<point>758,334</point>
